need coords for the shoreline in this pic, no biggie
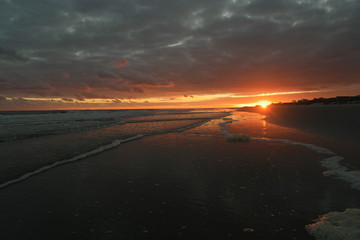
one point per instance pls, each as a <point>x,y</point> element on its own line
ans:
<point>42,166</point>
<point>340,122</point>
<point>196,184</point>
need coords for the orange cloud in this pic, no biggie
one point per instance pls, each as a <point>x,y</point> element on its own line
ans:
<point>121,63</point>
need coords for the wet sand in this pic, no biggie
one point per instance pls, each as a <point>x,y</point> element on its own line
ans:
<point>334,121</point>
<point>189,185</point>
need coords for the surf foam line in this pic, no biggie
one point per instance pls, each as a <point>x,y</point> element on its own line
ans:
<point>333,225</point>
<point>96,151</point>
<point>186,128</point>
<point>332,164</point>
<point>56,132</point>
<point>74,159</point>
<point>164,120</point>
<point>229,136</point>
<point>337,225</point>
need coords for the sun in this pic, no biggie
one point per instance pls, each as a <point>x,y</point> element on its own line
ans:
<point>263,104</point>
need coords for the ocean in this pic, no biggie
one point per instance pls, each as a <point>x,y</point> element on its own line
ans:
<point>171,174</point>
<point>47,137</point>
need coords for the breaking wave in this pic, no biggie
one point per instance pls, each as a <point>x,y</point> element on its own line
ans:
<point>100,149</point>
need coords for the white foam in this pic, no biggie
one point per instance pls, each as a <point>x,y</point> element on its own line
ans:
<point>337,226</point>
<point>230,136</point>
<point>341,172</point>
<point>332,164</point>
<point>289,142</point>
<point>334,225</point>
<point>13,127</point>
<point>225,127</point>
<point>192,126</point>
<point>74,159</point>
<point>96,151</point>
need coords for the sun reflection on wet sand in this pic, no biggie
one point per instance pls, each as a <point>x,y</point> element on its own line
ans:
<point>264,127</point>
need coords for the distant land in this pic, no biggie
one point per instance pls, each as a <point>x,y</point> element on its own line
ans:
<point>325,101</point>
<point>336,117</point>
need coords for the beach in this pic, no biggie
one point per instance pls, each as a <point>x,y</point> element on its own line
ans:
<point>188,184</point>
<point>189,120</point>
<point>334,121</point>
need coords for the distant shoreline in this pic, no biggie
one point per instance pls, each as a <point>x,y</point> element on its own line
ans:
<point>339,121</point>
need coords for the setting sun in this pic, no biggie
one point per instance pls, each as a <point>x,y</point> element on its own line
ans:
<point>263,104</point>
<point>181,119</point>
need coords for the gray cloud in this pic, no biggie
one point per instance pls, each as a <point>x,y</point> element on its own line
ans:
<point>11,55</point>
<point>137,78</point>
<point>185,46</point>
<point>103,74</point>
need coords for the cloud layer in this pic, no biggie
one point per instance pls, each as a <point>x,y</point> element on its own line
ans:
<point>78,49</point>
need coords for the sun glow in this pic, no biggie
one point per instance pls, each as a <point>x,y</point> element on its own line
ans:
<point>264,104</point>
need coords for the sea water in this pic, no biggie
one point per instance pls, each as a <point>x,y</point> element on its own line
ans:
<point>32,141</point>
<point>269,185</point>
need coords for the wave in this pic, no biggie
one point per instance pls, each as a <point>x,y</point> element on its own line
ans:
<point>56,122</point>
<point>341,172</point>
<point>231,137</point>
<point>164,119</point>
<point>63,130</point>
<point>74,159</point>
<point>32,112</point>
<point>21,128</point>
<point>98,150</point>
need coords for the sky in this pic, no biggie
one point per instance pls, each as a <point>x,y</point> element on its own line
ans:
<point>87,54</point>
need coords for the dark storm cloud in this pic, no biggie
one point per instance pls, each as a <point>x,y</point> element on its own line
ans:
<point>80,48</point>
<point>103,74</point>
<point>18,82</point>
<point>138,78</point>
<point>262,7</point>
<point>11,55</point>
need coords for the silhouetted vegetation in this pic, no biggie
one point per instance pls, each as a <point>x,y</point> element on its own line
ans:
<point>325,101</point>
